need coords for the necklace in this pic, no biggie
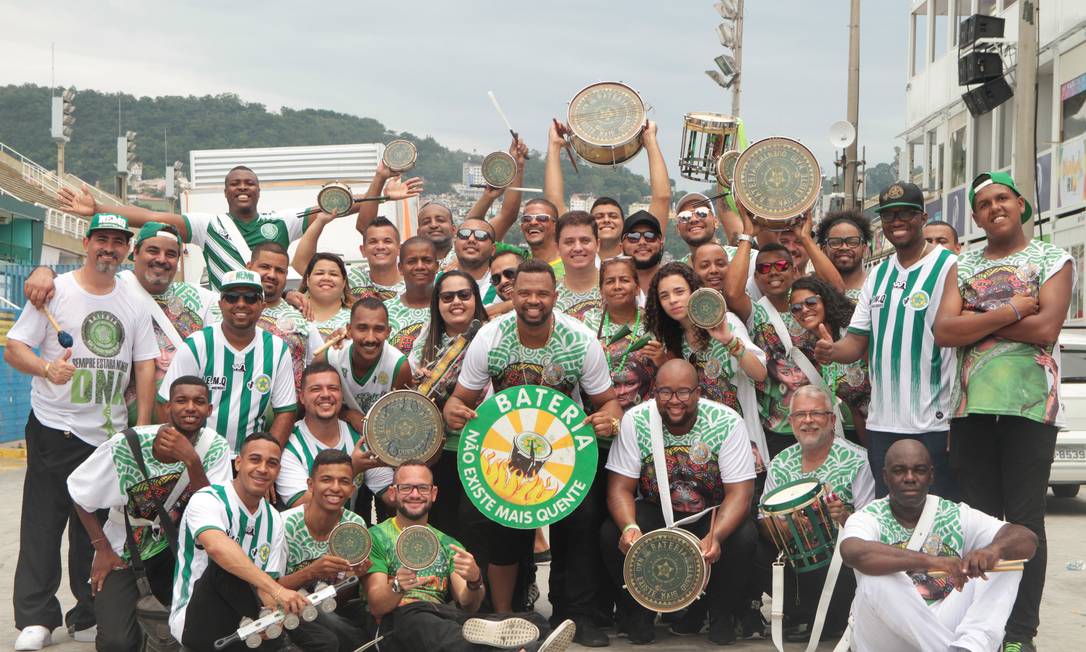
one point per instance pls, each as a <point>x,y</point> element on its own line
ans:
<point>629,345</point>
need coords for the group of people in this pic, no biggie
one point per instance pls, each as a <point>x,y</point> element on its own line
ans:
<point>200,443</point>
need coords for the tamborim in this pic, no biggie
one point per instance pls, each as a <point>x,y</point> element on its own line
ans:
<point>335,197</point>
<point>606,119</point>
<point>778,180</point>
<point>499,169</point>
<point>400,155</point>
<point>798,521</point>
<point>706,136</point>
<point>404,425</point>
<point>706,308</point>
<point>350,541</point>
<point>417,547</point>
<point>725,168</point>
<point>664,570</point>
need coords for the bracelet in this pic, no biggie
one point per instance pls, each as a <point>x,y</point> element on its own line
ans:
<point>46,375</point>
<point>94,541</point>
<point>743,237</point>
<point>276,596</point>
<point>614,426</point>
<point>736,347</point>
<point>477,584</point>
<point>1017,315</point>
<point>631,526</point>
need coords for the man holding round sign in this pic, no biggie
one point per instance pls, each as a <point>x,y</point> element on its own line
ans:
<point>528,456</point>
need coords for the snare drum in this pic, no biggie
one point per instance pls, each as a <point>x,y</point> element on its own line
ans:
<point>606,119</point>
<point>335,197</point>
<point>665,571</point>
<point>499,169</point>
<point>400,156</point>
<point>798,521</point>
<point>706,136</point>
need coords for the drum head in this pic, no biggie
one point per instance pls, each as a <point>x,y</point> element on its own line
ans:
<point>335,197</point>
<point>725,168</point>
<point>791,495</point>
<point>350,541</point>
<point>777,179</point>
<point>499,169</point>
<point>607,113</point>
<point>400,155</point>
<point>404,425</point>
<point>706,308</point>
<point>664,570</point>
<point>417,547</point>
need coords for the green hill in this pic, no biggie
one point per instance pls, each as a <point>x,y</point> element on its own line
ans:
<point>227,121</point>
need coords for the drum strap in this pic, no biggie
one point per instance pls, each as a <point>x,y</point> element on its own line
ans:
<point>234,234</point>
<point>801,360</point>
<point>150,305</point>
<point>202,446</point>
<point>659,463</point>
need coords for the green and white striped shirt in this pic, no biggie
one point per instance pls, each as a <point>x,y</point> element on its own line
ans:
<point>244,384</point>
<point>302,448</point>
<point>360,394</point>
<point>220,254</point>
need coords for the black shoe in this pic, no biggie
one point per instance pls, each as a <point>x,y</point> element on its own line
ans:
<point>589,635</point>
<point>640,630</point>
<point>691,623</point>
<point>802,633</point>
<point>752,624</point>
<point>722,630</point>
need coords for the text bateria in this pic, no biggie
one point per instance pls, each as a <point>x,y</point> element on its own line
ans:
<point>527,459</point>
<point>404,425</point>
<point>664,570</point>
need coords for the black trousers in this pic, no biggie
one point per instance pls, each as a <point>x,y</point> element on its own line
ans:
<point>945,484</point>
<point>727,577</point>
<point>1002,463</point>
<point>802,590</point>
<point>428,627</point>
<point>445,513</point>
<point>51,456</point>
<point>775,442</point>
<point>575,559</point>
<point>115,604</point>
<point>219,601</point>
<point>330,632</point>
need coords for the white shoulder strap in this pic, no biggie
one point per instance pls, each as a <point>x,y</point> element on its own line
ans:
<point>234,234</point>
<point>148,303</point>
<point>659,463</point>
<point>923,526</point>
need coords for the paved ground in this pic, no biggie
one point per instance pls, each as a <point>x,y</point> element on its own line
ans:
<point>1063,613</point>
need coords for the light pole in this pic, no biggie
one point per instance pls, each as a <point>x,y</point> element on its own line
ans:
<point>851,155</point>
<point>63,123</point>
<point>730,34</point>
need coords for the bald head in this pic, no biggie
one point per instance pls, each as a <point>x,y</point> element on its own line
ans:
<point>908,474</point>
<point>908,452</point>
<point>677,373</point>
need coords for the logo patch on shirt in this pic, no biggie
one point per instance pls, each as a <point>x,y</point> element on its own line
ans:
<point>215,383</point>
<point>918,300</point>
<point>269,230</point>
<point>878,300</point>
<point>102,333</point>
<point>238,366</point>
<point>261,383</point>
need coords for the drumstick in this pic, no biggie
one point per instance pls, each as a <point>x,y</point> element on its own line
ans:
<point>64,338</point>
<point>331,340</point>
<point>486,185</point>
<point>501,113</point>
<point>569,149</point>
<point>1002,566</point>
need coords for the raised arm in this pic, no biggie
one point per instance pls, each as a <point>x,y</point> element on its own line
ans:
<point>367,210</point>
<point>823,267</point>
<point>553,184</point>
<point>307,244</point>
<point>738,271</point>
<point>83,203</point>
<point>507,217</point>
<point>659,182</point>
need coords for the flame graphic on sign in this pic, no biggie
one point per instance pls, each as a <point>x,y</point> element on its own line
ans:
<point>511,485</point>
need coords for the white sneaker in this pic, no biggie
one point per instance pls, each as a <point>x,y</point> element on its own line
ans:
<point>85,635</point>
<point>508,633</point>
<point>560,638</point>
<point>34,637</point>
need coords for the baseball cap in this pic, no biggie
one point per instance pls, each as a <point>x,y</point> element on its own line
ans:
<point>108,222</point>
<point>237,278</point>
<point>901,193</point>
<point>1002,178</point>
<point>641,218</point>
<point>693,196</point>
<point>152,229</point>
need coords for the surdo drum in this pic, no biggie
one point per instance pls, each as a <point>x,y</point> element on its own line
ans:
<point>777,180</point>
<point>606,119</point>
<point>664,570</point>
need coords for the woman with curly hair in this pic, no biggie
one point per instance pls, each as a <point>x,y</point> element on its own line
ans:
<point>816,305</point>
<point>325,281</point>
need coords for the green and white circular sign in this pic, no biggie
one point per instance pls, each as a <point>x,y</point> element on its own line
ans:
<point>527,459</point>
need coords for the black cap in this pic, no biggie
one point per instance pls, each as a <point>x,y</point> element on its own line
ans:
<point>901,193</point>
<point>639,218</point>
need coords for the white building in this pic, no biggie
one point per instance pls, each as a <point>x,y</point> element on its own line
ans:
<point>946,147</point>
<point>581,202</point>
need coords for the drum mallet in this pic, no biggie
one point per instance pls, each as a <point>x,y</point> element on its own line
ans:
<point>498,108</point>
<point>63,336</point>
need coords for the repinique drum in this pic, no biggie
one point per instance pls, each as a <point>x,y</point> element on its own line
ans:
<point>778,180</point>
<point>664,570</point>
<point>499,169</point>
<point>725,168</point>
<point>706,136</point>
<point>417,547</point>
<point>706,308</point>
<point>404,425</point>
<point>798,521</point>
<point>335,197</point>
<point>606,119</point>
<point>351,542</point>
<point>400,155</point>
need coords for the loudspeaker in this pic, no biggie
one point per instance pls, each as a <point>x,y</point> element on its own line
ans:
<point>979,67</point>
<point>984,98</point>
<point>977,27</point>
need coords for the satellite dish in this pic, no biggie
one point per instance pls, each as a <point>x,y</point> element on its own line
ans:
<point>842,134</point>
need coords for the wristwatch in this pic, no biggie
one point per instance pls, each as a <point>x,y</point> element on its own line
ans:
<point>741,237</point>
<point>477,584</point>
<point>396,588</point>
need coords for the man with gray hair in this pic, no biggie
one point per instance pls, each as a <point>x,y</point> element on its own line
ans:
<point>842,468</point>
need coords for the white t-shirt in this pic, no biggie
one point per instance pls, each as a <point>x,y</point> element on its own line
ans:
<point>360,394</point>
<point>260,535</point>
<point>297,462</point>
<point>110,334</point>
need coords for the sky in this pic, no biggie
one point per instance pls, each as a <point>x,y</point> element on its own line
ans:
<point>425,66</point>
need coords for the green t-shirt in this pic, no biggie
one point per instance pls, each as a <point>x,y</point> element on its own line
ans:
<point>576,304</point>
<point>405,323</point>
<point>302,548</point>
<point>384,560</point>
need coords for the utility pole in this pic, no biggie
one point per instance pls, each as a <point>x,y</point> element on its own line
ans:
<point>1025,107</point>
<point>738,53</point>
<point>852,160</point>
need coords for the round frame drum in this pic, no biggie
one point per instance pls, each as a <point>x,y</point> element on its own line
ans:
<point>499,169</point>
<point>606,119</point>
<point>664,570</point>
<point>706,136</point>
<point>725,168</point>
<point>404,425</point>
<point>798,521</point>
<point>417,547</point>
<point>778,180</point>
<point>706,308</point>
<point>335,197</point>
<point>350,541</point>
<point>400,155</point>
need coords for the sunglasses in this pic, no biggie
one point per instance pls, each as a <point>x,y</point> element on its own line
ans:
<point>448,296</point>
<point>480,234</point>
<point>809,302</point>
<point>508,274</point>
<point>779,265</point>
<point>852,241</point>
<point>636,236</point>
<point>700,213</point>
<point>542,218</point>
<point>250,298</point>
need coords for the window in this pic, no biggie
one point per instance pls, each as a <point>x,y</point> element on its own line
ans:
<point>957,157</point>
<point>920,40</point>
<point>939,39</point>
<point>916,161</point>
<point>1073,108</point>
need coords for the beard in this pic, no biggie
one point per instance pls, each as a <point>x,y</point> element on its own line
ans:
<point>106,267</point>
<point>403,511</point>
<point>651,262</point>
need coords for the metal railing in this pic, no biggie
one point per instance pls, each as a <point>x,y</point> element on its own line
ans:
<point>47,180</point>
<point>64,223</point>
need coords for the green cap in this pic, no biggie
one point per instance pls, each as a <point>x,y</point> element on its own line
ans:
<point>237,278</point>
<point>1002,178</point>
<point>152,229</point>
<point>108,222</point>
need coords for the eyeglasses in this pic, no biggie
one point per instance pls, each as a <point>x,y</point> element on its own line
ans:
<point>249,297</point>
<point>852,241</point>
<point>448,296</point>
<point>542,218</point>
<point>899,216</point>
<point>809,302</point>
<point>810,414</point>
<point>700,213</point>
<point>636,236</point>
<point>779,265</point>
<point>508,274</point>
<point>406,489</point>
<point>480,234</point>
<point>683,394</point>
